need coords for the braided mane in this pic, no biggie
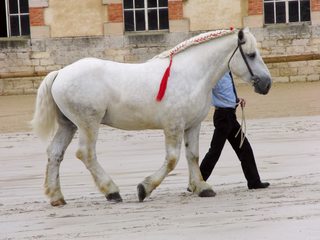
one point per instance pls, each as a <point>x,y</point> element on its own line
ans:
<point>201,38</point>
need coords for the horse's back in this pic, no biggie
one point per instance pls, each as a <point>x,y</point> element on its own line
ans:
<point>123,95</point>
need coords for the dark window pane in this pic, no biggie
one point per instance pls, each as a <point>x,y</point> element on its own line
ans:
<point>3,20</point>
<point>305,10</point>
<point>152,3</point>
<point>152,19</point>
<point>24,7</point>
<point>127,4</point>
<point>13,6</point>
<point>25,25</point>
<point>163,19</point>
<point>280,12</point>
<point>128,21</point>
<point>139,3</point>
<point>140,21</point>
<point>293,12</point>
<point>14,24</point>
<point>163,3</point>
<point>268,13</point>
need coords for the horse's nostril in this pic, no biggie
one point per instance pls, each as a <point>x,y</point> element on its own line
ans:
<point>269,86</point>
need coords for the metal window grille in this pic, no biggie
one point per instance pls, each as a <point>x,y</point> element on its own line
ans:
<point>145,15</point>
<point>286,11</point>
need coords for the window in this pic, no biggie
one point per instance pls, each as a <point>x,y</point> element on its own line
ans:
<point>145,15</point>
<point>14,18</point>
<point>286,11</point>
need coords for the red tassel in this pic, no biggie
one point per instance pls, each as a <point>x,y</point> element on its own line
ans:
<point>163,84</point>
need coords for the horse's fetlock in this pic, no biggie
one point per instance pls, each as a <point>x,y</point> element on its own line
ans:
<point>79,154</point>
<point>171,163</point>
<point>106,187</point>
<point>50,192</point>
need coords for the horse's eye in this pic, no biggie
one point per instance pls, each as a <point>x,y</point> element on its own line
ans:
<point>252,55</point>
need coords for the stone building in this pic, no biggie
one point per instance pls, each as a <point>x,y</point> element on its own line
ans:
<point>38,36</point>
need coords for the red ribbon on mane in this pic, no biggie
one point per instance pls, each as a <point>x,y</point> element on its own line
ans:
<point>166,75</point>
<point>164,81</point>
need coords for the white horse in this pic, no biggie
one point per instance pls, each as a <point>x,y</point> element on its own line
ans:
<point>91,92</point>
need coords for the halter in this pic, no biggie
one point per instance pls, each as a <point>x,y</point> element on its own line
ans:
<point>255,79</point>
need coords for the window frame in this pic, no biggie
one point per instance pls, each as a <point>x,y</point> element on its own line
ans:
<point>286,11</point>
<point>18,14</point>
<point>145,8</point>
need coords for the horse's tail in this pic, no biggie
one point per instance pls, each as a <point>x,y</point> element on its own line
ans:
<point>45,115</point>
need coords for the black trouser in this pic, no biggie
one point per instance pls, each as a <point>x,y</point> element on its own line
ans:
<point>226,127</point>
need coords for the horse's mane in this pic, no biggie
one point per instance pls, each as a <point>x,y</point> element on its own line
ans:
<point>201,38</point>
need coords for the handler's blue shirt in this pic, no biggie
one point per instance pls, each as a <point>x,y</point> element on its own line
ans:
<point>223,95</point>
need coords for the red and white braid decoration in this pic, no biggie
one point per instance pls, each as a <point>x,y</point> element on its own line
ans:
<point>201,38</point>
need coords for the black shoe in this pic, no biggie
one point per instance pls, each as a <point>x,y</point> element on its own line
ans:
<point>259,185</point>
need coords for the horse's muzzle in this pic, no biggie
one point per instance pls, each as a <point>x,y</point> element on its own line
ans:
<point>261,85</point>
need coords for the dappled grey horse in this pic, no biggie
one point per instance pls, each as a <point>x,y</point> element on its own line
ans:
<point>91,92</point>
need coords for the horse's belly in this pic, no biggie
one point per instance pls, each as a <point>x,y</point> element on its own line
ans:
<point>128,120</point>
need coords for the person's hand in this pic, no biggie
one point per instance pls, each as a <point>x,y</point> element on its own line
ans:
<point>242,102</point>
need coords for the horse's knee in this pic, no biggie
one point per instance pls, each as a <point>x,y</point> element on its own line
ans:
<point>171,164</point>
<point>86,156</point>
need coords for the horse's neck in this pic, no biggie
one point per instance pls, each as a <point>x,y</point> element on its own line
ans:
<point>206,63</point>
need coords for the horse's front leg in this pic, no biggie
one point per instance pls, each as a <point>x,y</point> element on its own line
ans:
<point>173,139</point>
<point>196,183</point>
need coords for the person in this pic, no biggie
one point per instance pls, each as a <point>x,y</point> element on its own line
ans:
<point>225,101</point>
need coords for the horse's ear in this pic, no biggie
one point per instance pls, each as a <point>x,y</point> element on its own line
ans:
<point>241,36</point>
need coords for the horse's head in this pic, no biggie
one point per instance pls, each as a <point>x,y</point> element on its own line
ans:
<point>247,63</point>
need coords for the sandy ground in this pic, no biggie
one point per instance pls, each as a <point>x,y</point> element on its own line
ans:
<point>284,129</point>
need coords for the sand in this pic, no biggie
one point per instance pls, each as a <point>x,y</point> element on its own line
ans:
<point>284,130</point>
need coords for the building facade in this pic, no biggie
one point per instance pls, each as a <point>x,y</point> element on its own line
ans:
<point>38,36</point>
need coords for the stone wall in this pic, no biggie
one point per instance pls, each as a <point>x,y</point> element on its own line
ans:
<point>28,60</point>
<point>209,14</point>
<point>291,52</point>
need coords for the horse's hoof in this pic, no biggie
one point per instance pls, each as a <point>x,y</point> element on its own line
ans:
<point>207,193</point>
<point>141,192</point>
<point>59,202</point>
<point>114,197</point>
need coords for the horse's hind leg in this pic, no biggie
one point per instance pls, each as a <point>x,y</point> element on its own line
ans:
<point>196,183</point>
<point>55,152</point>
<point>87,154</point>
<point>173,141</point>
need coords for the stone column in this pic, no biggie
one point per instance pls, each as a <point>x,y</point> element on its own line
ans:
<point>38,29</point>
<point>114,24</point>
<point>255,14</point>
<point>315,12</point>
<point>177,23</point>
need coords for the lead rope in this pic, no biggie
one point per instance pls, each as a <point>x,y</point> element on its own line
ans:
<point>243,127</point>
